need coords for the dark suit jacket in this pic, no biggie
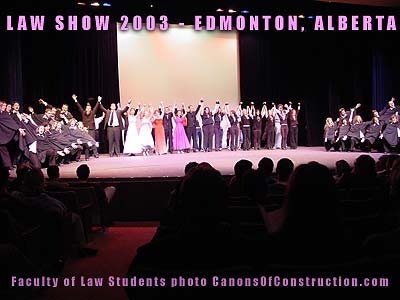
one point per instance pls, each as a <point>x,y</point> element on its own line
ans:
<point>167,121</point>
<point>119,112</point>
<point>88,120</point>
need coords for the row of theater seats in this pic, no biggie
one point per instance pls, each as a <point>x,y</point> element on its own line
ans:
<point>42,244</point>
<point>83,201</point>
<point>364,211</point>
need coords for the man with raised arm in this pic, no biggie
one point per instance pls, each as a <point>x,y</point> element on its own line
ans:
<point>88,115</point>
<point>114,125</point>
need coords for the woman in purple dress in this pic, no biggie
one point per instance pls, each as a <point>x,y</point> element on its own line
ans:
<point>180,140</point>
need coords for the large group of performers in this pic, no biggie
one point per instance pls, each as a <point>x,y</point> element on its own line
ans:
<point>349,132</point>
<point>57,137</point>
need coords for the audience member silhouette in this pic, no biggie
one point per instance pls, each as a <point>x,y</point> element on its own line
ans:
<point>16,184</point>
<point>265,168</point>
<point>235,185</point>
<point>343,170</point>
<point>312,231</point>
<point>363,175</point>
<point>284,168</point>
<point>53,183</point>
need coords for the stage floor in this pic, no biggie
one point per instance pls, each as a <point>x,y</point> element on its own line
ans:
<point>172,165</point>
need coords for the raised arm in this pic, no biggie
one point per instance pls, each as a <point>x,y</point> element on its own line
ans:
<point>96,107</point>
<point>162,109</point>
<point>200,106</point>
<point>216,107</point>
<point>249,112</point>
<point>239,111</point>
<point>101,107</point>
<point>127,106</point>
<point>351,115</point>
<point>264,110</point>
<point>273,108</point>
<point>80,108</point>
<point>227,108</point>
<point>252,111</point>
<point>46,104</point>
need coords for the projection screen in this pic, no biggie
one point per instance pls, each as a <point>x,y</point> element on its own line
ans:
<point>178,65</point>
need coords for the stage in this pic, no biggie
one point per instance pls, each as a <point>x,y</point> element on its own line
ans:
<point>172,165</point>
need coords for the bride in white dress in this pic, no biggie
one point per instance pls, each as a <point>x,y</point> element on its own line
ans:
<point>132,142</point>
<point>146,127</point>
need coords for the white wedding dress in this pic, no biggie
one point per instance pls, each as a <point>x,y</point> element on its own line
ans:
<point>132,142</point>
<point>145,137</point>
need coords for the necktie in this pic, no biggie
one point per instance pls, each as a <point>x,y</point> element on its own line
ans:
<point>112,118</point>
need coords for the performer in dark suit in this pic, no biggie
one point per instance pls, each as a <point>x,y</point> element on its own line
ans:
<point>208,129</point>
<point>167,124</point>
<point>234,130</point>
<point>88,115</point>
<point>256,116</point>
<point>114,125</point>
<point>218,116</point>
<point>191,125</point>
<point>269,129</point>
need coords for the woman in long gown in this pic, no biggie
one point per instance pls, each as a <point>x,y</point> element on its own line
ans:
<point>145,137</point>
<point>132,144</point>
<point>159,135</point>
<point>180,140</point>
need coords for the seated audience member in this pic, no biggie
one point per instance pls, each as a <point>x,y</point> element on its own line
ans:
<point>235,185</point>
<point>265,168</point>
<point>343,170</point>
<point>103,195</point>
<point>311,232</point>
<point>169,222</point>
<point>17,207</point>
<point>384,165</point>
<point>284,168</point>
<point>16,184</point>
<point>52,213</point>
<point>254,187</point>
<point>189,166</point>
<point>363,175</point>
<point>201,244</point>
<point>54,183</point>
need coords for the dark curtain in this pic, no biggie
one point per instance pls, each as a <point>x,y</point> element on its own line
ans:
<point>58,64</point>
<point>10,67</point>
<point>324,71</point>
<point>386,76</point>
<point>54,65</point>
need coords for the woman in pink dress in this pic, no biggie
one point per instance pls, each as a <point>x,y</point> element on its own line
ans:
<point>180,140</point>
<point>159,135</point>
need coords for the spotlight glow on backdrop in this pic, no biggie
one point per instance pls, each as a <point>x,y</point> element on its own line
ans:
<point>178,65</point>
